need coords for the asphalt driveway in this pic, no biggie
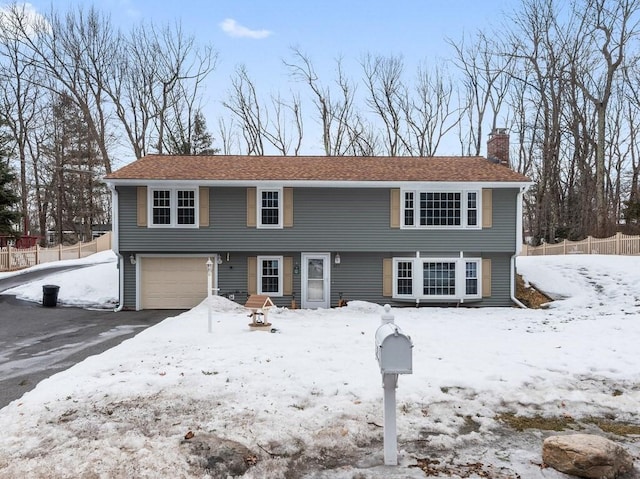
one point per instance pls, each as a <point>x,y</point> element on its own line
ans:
<point>37,342</point>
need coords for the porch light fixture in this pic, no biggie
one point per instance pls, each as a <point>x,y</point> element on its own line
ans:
<point>132,258</point>
<point>336,259</point>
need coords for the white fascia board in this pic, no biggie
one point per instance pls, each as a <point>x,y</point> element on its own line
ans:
<point>435,185</point>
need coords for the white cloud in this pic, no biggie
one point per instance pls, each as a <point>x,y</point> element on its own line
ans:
<point>234,29</point>
<point>21,17</point>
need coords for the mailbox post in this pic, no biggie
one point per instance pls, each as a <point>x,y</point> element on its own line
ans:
<point>394,355</point>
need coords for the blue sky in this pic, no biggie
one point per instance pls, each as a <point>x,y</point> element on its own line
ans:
<point>259,34</point>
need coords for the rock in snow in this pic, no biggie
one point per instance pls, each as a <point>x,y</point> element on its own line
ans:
<point>586,455</point>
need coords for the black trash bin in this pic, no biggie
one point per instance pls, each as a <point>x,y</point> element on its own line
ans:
<point>50,295</point>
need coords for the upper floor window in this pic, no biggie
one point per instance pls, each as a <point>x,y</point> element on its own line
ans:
<point>172,207</point>
<point>270,208</point>
<point>161,207</point>
<point>472,208</point>
<point>186,213</point>
<point>440,209</point>
<point>428,278</point>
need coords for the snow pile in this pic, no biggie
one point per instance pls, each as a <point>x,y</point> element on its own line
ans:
<point>95,286</point>
<point>307,400</point>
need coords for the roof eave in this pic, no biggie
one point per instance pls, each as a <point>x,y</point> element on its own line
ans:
<point>313,183</point>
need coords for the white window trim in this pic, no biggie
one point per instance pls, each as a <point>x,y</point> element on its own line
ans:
<point>259,192</point>
<point>173,205</point>
<point>464,200</point>
<point>417,276</point>
<point>259,261</point>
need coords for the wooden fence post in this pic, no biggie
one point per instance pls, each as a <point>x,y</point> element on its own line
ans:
<point>588,244</point>
<point>9,257</point>
<point>618,238</point>
<point>37,253</point>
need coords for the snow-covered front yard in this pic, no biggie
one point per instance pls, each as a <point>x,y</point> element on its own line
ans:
<point>307,401</point>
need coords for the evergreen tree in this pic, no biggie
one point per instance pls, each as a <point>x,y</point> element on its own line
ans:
<point>189,136</point>
<point>201,139</point>
<point>9,200</point>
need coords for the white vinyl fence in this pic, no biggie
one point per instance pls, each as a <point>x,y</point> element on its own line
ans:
<point>12,259</point>
<point>618,244</point>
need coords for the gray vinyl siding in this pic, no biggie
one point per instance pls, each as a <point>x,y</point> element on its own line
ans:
<point>357,277</point>
<point>352,222</point>
<point>500,281</point>
<point>129,281</point>
<point>338,219</point>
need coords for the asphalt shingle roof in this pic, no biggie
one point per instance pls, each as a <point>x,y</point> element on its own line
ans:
<point>316,168</point>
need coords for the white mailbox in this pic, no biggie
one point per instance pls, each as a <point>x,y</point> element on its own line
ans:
<point>393,350</point>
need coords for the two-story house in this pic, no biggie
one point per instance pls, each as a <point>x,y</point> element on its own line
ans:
<point>314,229</point>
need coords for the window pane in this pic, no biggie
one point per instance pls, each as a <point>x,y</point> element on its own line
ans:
<point>161,213</point>
<point>404,277</point>
<point>440,209</point>
<point>186,207</point>
<point>408,209</point>
<point>270,276</point>
<point>315,290</point>
<point>439,279</point>
<point>270,208</point>
<point>472,217</point>
<point>472,209</point>
<point>315,269</point>
<point>315,279</point>
<point>471,280</point>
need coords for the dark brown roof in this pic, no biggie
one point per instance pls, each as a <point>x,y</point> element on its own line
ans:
<point>316,168</point>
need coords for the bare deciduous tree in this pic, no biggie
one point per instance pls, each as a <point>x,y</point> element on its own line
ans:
<point>387,98</point>
<point>485,75</point>
<point>596,48</point>
<point>335,114</point>
<point>19,95</point>
<point>429,112</point>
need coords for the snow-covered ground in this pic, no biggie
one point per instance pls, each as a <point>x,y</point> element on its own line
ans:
<point>96,286</point>
<point>307,401</point>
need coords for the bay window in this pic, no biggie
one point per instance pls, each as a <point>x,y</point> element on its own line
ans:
<point>436,278</point>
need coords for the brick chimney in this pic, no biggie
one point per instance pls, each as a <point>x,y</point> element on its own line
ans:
<point>498,146</point>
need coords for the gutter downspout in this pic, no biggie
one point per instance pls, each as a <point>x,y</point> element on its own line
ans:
<point>116,247</point>
<point>518,248</point>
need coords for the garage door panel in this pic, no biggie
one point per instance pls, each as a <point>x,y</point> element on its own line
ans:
<point>172,282</point>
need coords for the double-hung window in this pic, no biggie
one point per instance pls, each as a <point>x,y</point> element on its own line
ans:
<point>270,274</point>
<point>161,207</point>
<point>173,207</point>
<point>436,278</point>
<point>186,207</point>
<point>270,208</point>
<point>440,209</point>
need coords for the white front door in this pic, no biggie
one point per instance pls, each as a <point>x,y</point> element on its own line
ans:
<point>315,280</point>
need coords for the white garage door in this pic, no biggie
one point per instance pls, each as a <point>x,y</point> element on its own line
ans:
<point>172,282</point>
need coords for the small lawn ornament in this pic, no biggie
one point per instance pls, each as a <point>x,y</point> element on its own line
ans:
<point>259,305</point>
